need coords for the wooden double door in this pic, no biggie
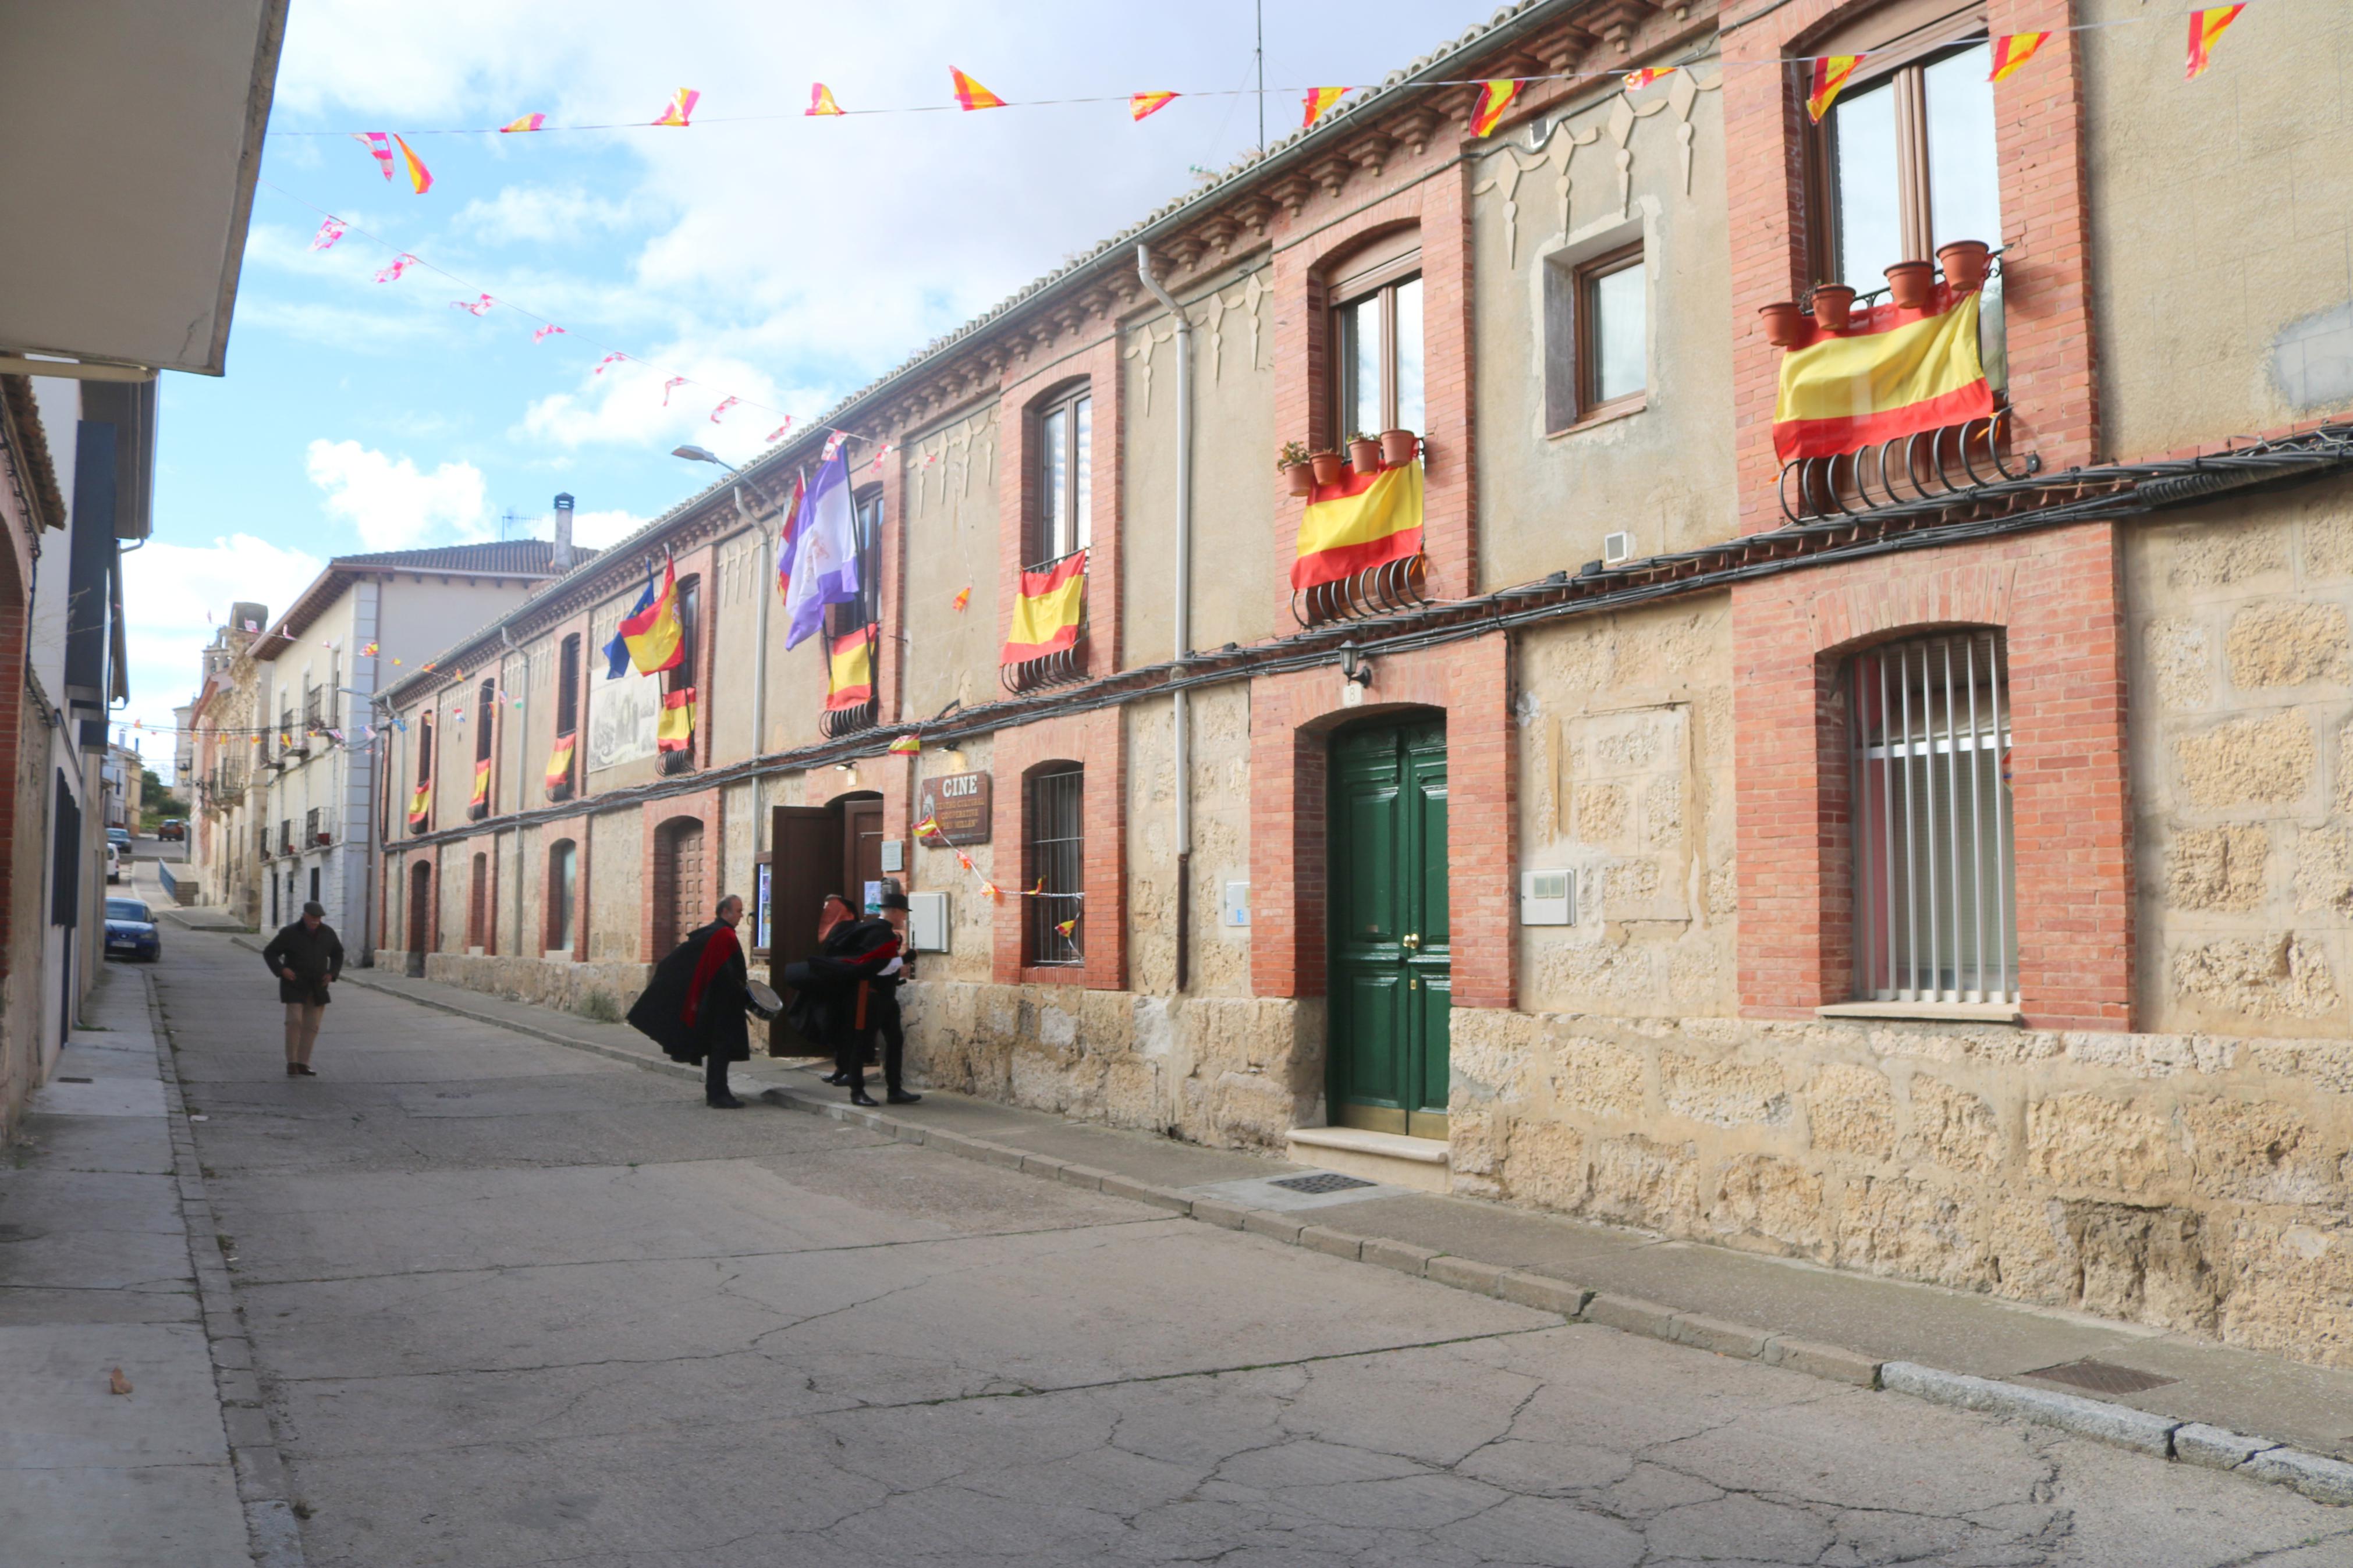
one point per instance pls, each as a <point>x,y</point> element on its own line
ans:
<point>817,851</point>
<point>1389,950</point>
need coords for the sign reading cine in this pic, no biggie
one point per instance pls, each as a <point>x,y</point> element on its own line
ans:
<point>959,802</point>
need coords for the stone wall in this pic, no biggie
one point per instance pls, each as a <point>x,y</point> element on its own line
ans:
<point>544,981</point>
<point>2193,1182</point>
<point>1231,1072</point>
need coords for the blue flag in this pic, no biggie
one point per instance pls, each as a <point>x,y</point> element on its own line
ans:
<point>616,652</point>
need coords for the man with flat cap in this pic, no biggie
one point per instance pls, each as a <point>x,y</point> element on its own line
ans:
<point>694,1006</point>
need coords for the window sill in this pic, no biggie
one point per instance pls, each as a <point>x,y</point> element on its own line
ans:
<point>1607,414</point>
<point>1928,1012</point>
<point>1053,974</point>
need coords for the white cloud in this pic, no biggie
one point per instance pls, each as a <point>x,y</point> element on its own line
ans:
<point>603,530</point>
<point>525,211</point>
<point>391,502</point>
<point>167,591</point>
<point>627,406</point>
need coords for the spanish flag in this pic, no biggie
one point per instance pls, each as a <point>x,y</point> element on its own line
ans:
<point>2205,31</point>
<point>1638,80</point>
<point>2011,51</point>
<point>1831,72</point>
<point>481,782</point>
<point>420,805</point>
<point>1317,100</point>
<point>559,762</point>
<point>1364,520</point>
<point>907,744</point>
<point>1140,104</point>
<point>1495,97</point>
<point>655,640</point>
<point>674,731</point>
<point>1897,373</point>
<point>1045,616</point>
<point>970,94</point>
<point>850,670</point>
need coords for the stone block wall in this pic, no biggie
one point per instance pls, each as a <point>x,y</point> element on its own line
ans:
<point>2192,1183</point>
<point>2244,764</point>
<point>1229,1071</point>
<point>546,983</point>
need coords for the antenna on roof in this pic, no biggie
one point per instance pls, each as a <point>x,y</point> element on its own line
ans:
<point>511,525</point>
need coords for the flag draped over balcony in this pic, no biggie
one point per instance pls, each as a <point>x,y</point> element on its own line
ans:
<point>1366,520</point>
<point>481,782</point>
<point>654,638</point>
<point>1897,373</point>
<point>823,562</point>
<point>850,670</point>
<point>559,761</point>
<point>1047,614</point>
<point>674,731</point>
<point>420,805</point>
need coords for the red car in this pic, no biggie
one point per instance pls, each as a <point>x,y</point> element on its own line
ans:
<point>171,827</point>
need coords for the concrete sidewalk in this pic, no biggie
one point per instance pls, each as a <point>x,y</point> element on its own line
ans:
<point>2142,1387</point>
<point>108,1260</point>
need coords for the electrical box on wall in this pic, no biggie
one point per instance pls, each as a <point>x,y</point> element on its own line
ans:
<point>927,921</point>
<point>1547,897</point>
<point>1233,910</point>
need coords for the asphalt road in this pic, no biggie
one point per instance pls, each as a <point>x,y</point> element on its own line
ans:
<point>513,1304</point>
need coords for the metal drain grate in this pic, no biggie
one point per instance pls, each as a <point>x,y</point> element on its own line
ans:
<point>2102,1377</point>
<point>1323,1182</point>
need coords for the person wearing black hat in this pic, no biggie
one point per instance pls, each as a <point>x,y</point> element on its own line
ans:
<point>839,977</point>
<point>884,1013</point>
<point>307,957</point>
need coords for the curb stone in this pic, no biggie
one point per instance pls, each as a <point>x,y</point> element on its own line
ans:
<point>2317,1476</point>
<point>273,1536</point>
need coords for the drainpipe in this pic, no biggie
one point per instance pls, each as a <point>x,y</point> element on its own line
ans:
<point>1184,607</point>
<point>763,592</point>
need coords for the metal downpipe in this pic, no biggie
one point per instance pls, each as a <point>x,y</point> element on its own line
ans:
<point>1182,716</point>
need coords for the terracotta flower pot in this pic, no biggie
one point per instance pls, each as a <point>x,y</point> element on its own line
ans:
<point>1966,263</point>
<point>1833,302</point>
<point>1399,447</point>
<point>1328,467</point>
<point>1912,284</point>
<point>1301,478</point>
<point>1365,456</point>
<point>1785,324</point>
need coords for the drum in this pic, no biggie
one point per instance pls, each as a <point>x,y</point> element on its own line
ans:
<point>764,1002</point>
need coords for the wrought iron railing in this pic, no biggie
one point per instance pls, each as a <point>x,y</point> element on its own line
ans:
<point>1952,460</point>
<point>1382,590</point>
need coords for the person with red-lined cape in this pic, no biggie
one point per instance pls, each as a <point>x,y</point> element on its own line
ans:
<point>695,1005</point>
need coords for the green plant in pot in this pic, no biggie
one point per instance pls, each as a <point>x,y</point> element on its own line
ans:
<point>1363,452</point>
<point>1296,471</point>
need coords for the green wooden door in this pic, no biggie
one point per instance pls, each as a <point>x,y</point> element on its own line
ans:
<point>1390,975</point>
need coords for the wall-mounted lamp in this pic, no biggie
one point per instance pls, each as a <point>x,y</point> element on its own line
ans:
<point>1354,668</point>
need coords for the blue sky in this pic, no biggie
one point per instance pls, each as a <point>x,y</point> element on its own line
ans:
<point>782,260</point>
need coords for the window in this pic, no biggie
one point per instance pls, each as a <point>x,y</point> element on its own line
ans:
<point>1597,345</point>
<point>1377,347</point>
<point>1907,159</point>
<point>422,821</point>
<point>1065,478</point>
<point>1056,858</point>
<point>478,900</point>
<point>567,687</point>
<point>842,619</point>
<point>680,678</point>
<point>562,886</point>
<point>486,712</point>
<point>1935,916</point>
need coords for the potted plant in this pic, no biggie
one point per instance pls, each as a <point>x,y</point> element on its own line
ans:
<point>323,837</point>
<point>1912,284</point>
<point>1328,467</point>
<point>1785,325</point>
<point>1399,447</point>
<point>1364,453</point>
<point>1296,471</point>
<point>1965,264</point>
<point>1832,303</point>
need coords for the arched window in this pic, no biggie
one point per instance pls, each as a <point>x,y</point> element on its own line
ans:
<point>486,712</point>
<point>1054,861</point>
<point>1376,347</point>
<point>563,756</point>
<point>562,896</point>
<point>679,717</point>
<point>1063,482</point>
<point>420,798</point>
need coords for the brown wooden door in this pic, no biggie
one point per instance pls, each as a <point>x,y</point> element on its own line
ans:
<point>861,849</point>
<point>678,884</point>
<point>805,865</point>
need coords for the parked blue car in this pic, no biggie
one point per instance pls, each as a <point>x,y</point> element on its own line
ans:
<point>131,931</point>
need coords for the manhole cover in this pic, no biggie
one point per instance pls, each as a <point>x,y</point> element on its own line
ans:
<point>2102,1377</point>
<point>64,1077</point>
<point>1323,1182</point>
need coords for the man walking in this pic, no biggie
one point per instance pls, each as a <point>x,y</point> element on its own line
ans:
<point>694,1006</point>
<point>885,1010</point>
<point>307,957</point>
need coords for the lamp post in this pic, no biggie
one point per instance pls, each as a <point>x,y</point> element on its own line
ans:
<point>694,454</point>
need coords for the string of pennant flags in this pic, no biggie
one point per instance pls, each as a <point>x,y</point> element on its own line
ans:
<point>394,156</point>
<point>929,829</point>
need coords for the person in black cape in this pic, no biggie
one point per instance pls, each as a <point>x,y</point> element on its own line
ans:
<point>694,1006</point>
<point>840,981</point>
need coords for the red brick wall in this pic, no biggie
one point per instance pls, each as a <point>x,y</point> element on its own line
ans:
<point>2047,299</point>
<point>1440,207</point>
<point>1098,740</point>
<point>1291,718</point>
<point>1017,466</point>
<point>2059,596</point>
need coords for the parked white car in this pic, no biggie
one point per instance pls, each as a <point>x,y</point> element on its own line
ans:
<point>113,864</point>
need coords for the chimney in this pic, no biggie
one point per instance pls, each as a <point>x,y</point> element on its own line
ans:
<point>563,562</point>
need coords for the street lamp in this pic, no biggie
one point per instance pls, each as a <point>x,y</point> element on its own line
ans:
<point>699,455</point>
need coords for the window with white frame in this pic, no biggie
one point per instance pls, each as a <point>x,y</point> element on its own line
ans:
<point>1935,909</point>
<point>1065,478</point>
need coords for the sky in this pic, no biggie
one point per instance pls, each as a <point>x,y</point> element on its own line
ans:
<point>761,254</point>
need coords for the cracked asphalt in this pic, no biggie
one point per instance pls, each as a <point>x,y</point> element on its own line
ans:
<point>518,1305</point>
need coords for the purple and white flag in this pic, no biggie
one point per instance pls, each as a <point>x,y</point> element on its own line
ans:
<point>825,552</point>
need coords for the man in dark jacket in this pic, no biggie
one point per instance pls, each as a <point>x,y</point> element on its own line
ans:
<point>895,973</point>
<point>839,977</point>
<point>307,957</point>
<point>694,1006</point>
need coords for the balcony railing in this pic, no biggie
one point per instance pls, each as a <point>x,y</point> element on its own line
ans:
<point>1382,590</point>
<point>1059,667</point>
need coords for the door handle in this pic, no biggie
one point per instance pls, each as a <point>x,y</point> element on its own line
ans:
<point>1410,941</point>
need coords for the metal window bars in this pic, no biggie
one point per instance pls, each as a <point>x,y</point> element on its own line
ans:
<point>1935,916</point>
<point>1058,859</point>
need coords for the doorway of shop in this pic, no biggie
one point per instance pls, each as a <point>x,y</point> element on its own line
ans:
<point>815,850</point>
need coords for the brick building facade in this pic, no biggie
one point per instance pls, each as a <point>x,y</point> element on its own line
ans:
<point>1931,862</point>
